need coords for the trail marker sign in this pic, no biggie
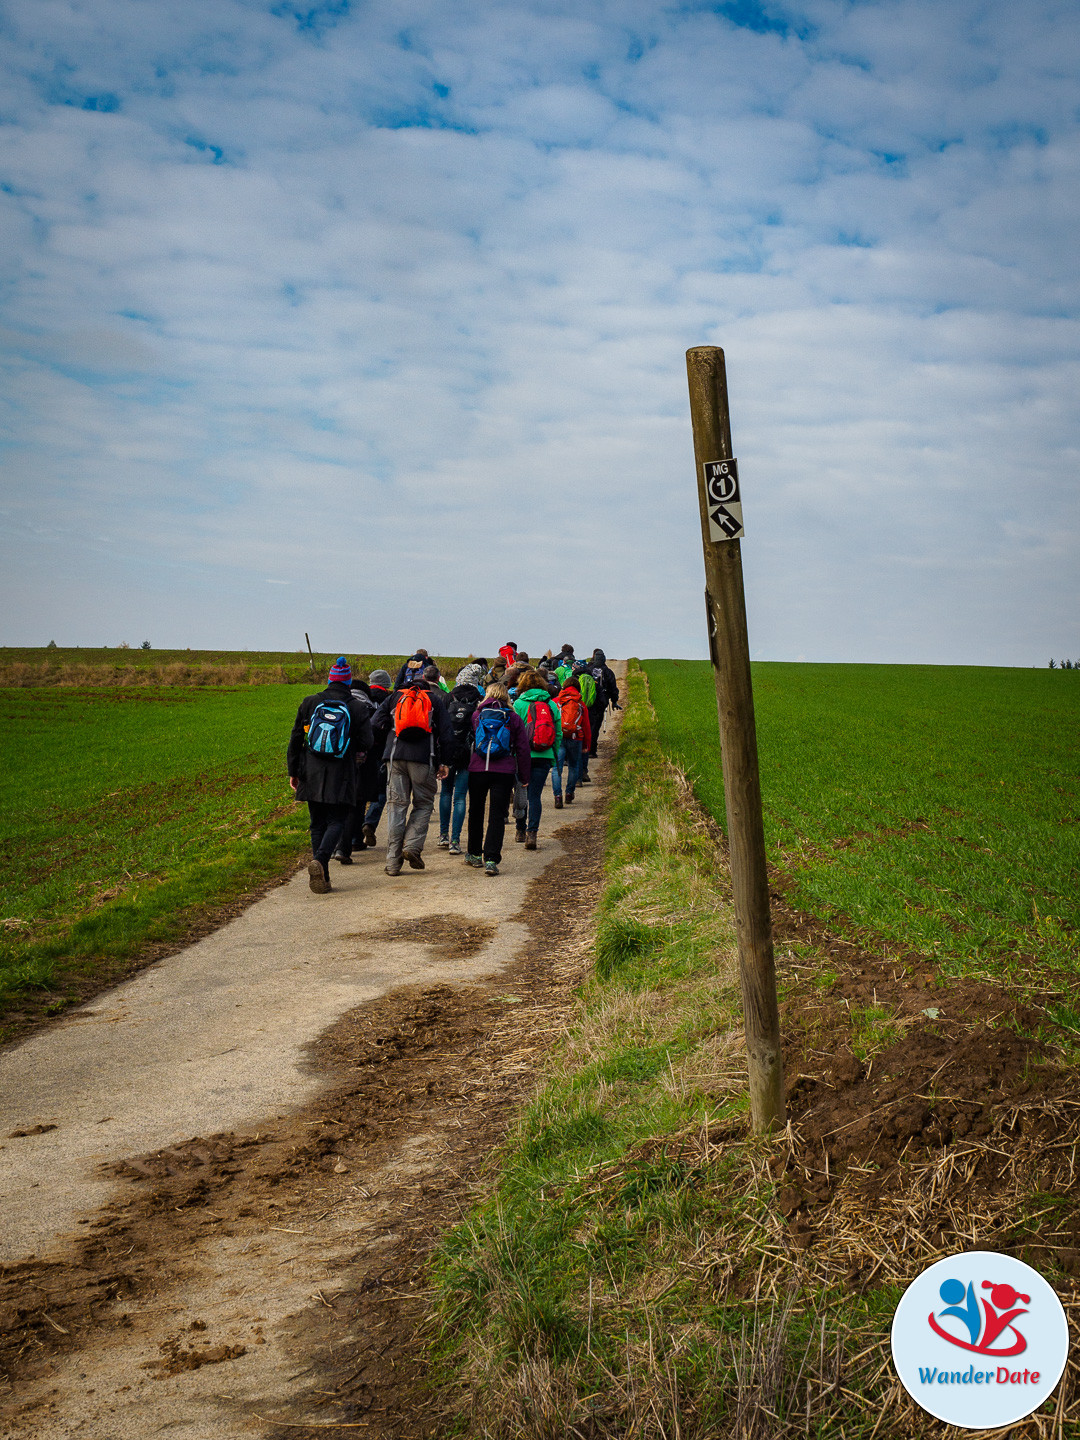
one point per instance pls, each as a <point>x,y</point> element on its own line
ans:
<point>725,502</point>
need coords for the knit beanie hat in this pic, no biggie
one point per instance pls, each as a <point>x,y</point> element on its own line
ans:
<point>341,672</point>
<point>381,678</point>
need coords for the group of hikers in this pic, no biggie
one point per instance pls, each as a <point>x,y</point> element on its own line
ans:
<point>368,743</point>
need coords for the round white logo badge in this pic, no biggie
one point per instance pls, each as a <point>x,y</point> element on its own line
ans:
<point>980,1340</point>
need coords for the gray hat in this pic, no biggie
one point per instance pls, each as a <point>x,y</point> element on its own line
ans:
<point>382,677</point>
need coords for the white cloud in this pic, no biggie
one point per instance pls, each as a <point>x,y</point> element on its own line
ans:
<point>407,293</point>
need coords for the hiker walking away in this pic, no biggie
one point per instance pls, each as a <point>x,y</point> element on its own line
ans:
<point>379,687</point>
<point>330,734</point>
<point>508,653</point>
<point>602,692</point>
<point>587,686</point>
<point>521,794</point>
<point>576,734</point>
<point>418,739</point>
<point>500,756</point>
<point>411,668</point>
<point>352,836</point>
<point>461,705</point>
<point>544,725</point>
<point>473,673</point>
<point>564,664</point>
<point>546,671</point>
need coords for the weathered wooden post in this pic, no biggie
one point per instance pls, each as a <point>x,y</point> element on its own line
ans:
<point>311,657</point>
<point>729,649</point>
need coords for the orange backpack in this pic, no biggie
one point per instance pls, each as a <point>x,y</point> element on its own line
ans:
<point>573,717</point>
<point>412,714</point>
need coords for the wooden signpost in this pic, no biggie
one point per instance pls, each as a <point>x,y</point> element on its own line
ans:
<point>720,501</point>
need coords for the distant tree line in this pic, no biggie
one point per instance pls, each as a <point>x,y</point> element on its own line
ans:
<point>1065,664</point>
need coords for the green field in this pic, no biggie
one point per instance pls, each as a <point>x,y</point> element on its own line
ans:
<point>937,807</point>
<point>127,812</point>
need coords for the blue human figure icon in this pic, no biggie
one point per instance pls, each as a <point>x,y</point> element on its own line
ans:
<point>953,1292</point>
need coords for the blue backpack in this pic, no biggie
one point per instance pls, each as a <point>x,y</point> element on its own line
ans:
<point>492,733</point>
<point>328,730</point>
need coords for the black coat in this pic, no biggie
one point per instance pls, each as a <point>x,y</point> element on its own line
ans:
<point>421,752</point>
<point>418,662</point>
<point>369,768</point>
<point>606,684</point>
<point>333,782</point>
<point>372,784</point>
<point>463,701</point>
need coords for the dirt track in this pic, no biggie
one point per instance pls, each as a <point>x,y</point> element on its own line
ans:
<point>257,1139</point>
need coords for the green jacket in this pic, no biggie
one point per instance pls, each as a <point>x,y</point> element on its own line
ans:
<point>563,672</point>
<point>521,705</point>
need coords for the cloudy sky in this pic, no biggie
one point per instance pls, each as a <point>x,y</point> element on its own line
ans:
<point>369,319</point>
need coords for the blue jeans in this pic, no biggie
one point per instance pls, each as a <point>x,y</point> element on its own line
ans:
<point>373,813</point>
<point>455,788</point>
<point>570,756</point>
<point>537,781</point>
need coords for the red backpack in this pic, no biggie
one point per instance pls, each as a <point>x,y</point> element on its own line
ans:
<point>412,714</point>
<point>573,716</point>
<point>541,725</point>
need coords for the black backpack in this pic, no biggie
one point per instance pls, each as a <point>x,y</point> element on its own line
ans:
<point>461,713</point>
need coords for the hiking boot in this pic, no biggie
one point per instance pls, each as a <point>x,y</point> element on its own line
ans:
<point>393,869</point>
<point>519,834</point>
<point>318,879</point>
<point>415,859</point>
<point>569,797</point>
<point>444,842</point>
<point>455,848</point>
<point>490,868</point>
<point>530,840</point>
<point>369,835</point>
<point>558,802</point>
<point>585,780</point>
<point>476,861</point>
<point>342,858</point>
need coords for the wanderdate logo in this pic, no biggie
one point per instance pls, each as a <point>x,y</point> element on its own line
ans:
<point>995,1309</point>
<point>984,1325</point>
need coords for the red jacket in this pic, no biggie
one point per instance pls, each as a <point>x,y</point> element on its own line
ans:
<point>509,654</point>
<point>568,693</point>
